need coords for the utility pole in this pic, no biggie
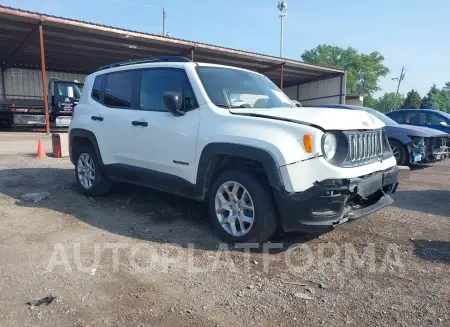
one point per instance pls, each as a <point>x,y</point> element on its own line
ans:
<point>164,23</point>
<point>282,8</point>
<point>399,79</point>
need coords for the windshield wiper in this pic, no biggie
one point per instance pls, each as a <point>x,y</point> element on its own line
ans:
<point>229,107</point>
<point>241,106</point>
<point>222,105</point>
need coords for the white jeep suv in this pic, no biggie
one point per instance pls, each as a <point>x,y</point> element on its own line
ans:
<point>231,138</point>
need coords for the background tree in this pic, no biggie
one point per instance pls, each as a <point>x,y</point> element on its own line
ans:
<point>446,87</point>
<point>363,70</point>
<point>435,99</point>
<point>388,102</point>
<point>446,91</point>
<point>369,101</point>
<point>413,100</point>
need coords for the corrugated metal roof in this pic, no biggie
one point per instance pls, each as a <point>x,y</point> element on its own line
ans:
<point>79,46</point>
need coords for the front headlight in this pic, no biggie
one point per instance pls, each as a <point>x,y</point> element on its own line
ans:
<point>329,145</point>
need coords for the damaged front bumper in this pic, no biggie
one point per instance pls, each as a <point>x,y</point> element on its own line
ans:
<point>331,203</point>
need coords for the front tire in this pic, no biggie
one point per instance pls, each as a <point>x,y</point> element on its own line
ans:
<point>401,153</point>
<point>90,178</point>
<point>241,208</point>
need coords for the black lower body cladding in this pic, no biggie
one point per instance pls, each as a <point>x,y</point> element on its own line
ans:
<point>331,203</point>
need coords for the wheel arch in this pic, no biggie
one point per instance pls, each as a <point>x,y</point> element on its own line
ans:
<point>79,136</point>
<point>215,156</point>
<point>405,148</point>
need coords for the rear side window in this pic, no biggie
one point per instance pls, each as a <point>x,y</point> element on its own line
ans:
<point>396,116</point>
<point>118,89</point>
<point>403,117</point>
<point>427,118</point>
<point>154,82</point>
<point>410,118</point>
<point>96,89</point>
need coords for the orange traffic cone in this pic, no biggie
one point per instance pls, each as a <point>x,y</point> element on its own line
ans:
<point>41,151</point>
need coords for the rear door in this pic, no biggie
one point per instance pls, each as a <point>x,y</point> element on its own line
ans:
<point>163,144</point>
<point>111,120</point>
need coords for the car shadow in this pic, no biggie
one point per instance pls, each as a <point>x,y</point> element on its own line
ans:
<point>128,210</point>
<point>427,201</point>
<point>435,251</point>
<point>413,167</point>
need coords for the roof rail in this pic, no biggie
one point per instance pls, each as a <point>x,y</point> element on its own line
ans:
<point>145,60</point>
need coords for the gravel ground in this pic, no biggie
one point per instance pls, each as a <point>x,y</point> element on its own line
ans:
<point>138,257</point>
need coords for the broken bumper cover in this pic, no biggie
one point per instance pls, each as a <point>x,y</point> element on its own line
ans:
<point>331,203</point>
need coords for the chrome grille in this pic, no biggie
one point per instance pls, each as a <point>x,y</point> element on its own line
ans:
<point>364,146</point>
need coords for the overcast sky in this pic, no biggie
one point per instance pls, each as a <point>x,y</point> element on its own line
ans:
<point>413,33</point>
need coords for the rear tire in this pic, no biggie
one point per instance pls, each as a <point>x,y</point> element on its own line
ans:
<point>88,173</point>
<point>401,153</point>
<point>241,191</point>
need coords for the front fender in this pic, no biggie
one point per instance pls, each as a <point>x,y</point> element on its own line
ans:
<point>265,158</point>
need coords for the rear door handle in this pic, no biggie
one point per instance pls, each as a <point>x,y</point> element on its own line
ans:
<point>139,123</point>
<point>97,118</point>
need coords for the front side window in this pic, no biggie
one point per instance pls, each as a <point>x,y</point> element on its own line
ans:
<point>118,89</point>
<point>427,118</point>
<point>235,88</point>
<point>154,82</point>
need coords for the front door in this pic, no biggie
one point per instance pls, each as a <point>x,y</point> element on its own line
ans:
<point>164,145</point>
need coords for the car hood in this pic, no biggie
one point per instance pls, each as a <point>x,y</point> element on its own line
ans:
<point>322,118</point>
<point>416,131</point>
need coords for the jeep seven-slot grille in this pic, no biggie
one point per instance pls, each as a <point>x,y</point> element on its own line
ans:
<point>364,146</point>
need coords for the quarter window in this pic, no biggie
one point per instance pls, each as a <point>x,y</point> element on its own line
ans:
<point>118,89</point>
<point>154,82</point>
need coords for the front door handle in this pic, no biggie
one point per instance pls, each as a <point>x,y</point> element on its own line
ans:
<point>139,123</point>
<point>97,118</point>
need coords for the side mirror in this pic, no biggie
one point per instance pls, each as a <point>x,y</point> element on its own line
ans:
<point>298,105</point>
<point>173,102</point>
<point>443,123</point>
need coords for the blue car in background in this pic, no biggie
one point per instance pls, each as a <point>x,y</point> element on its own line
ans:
<point>410,144</point>
<point>422,117</point>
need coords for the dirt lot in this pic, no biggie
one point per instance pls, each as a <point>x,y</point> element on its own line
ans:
<point>142,258</point>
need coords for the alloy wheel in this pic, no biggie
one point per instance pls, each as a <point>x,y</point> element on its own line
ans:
<point>86,170</point>
<point>235,209</point>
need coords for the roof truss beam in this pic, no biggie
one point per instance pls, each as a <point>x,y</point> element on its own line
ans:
<point>34,33</point>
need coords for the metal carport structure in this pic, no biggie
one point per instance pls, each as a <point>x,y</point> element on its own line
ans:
<point>31,40</point>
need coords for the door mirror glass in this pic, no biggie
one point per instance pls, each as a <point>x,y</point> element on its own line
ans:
<point>443,123</point>
<point>173,101</point>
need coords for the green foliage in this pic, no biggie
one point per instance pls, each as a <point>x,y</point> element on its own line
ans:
<point>446,87</point>
<point>436,99</point>
<point>389,101</point>
<point>413,100</point>
<point>363,70</point>
<point>369,101</point>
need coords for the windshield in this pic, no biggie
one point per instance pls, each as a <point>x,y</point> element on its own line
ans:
<point>235,88</point>
<point>445,114</point>
<point>80,86</point>
<point>68,89</point>
<point>385,119</point>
